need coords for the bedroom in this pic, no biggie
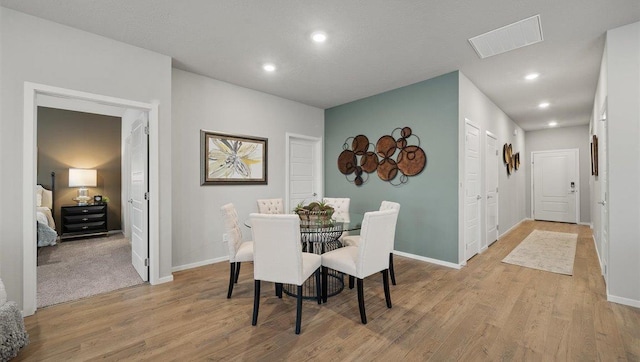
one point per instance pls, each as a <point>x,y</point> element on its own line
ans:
<point>95,261</point>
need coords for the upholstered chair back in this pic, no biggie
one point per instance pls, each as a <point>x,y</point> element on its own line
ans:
<point>376,242</point>
<point>340,206</point>
<point>277,248</point>
<point>232,229</point>
<point>270,206</point>
<point>389,205</point>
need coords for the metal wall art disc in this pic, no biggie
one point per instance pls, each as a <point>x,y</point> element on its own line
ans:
<point>392,155</point>
<point>511,160</point>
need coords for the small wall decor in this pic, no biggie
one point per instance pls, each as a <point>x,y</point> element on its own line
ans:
<point>510,159</point>
<point>594,155</point>
<point>393,154</point>
<point>232,160</point>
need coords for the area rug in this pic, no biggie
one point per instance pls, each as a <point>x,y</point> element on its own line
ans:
<point>81,268</point>
<point>545,250</point>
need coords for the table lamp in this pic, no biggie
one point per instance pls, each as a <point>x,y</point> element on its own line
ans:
<point>82,178</point>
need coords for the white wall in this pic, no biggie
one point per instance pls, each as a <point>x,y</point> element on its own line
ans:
<point>44,52</point>
<point>204,103</point>
<point>557,139</point>
<point>477,107</point>
<point>622,91</point>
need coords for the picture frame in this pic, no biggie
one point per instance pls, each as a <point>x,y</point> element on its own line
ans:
<point>227,159</point>
<point>594,155</point>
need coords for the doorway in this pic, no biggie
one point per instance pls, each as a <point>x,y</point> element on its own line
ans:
<point>34,92</point>
<point>555,188</point>
<point>303,170</point>
<point>492,159</point>
<point>472,189</point>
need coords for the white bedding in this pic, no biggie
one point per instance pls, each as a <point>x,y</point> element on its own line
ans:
<point>46,226</point>
<point>43,214</point>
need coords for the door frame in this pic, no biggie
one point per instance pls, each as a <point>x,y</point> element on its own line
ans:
<point>319,148</point>
<point>577,165</point>
<point>29,173</point>
<point>486,174</point>
<point>603,191</point>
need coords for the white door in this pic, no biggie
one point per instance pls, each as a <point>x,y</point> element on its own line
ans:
<point>472,191</point>
<point>304,164</point>
<point>138,189</point>
<point>603,177</point>
<point>491,187</point>
<point>126,209</point>
<point>555,185</point>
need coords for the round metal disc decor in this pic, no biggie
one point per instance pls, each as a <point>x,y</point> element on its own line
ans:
<point>411,160</point>
<point>387,169</point>
<point>386,146</point>
<point>369,162</point>
<point>347,162</point>
<point>360,144</point>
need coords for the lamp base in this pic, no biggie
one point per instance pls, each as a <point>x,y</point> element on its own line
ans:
<point>83,197</point>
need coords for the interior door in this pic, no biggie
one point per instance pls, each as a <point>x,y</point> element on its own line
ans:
<point>472,191</point>
<point>555,185</point>
<point>304,163</point>
<point>491,187</point>
<point>603,177</point>
<point>138,189</point>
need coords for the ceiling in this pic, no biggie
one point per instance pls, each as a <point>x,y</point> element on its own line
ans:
<point>372,46</point>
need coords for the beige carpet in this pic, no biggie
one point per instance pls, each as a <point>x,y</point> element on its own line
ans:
<point>80,268</point>
<point>545,250</point>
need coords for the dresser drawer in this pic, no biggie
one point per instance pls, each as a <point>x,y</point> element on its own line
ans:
<point>81,210</point>
<point>87,226</point>
<point>76,219</point>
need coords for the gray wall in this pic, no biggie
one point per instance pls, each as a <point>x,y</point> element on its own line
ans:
<point>68,139</point>
<point>44,52</point>
<point>204,103</point>
<point>557,139</point>
<point>428,220</point>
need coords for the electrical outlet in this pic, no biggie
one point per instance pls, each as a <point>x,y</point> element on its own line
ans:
<point>225,237</point>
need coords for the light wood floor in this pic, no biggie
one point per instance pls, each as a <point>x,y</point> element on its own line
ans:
<point>486,311</point>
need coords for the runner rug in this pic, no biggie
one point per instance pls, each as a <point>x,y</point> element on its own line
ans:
<point>545,250</point>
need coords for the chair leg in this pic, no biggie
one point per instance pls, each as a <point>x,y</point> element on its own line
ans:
<point>351,282</point>
<point>325,274</point>
<point>385,282</point>
<point>391,271</point>
<point>363,315</point>
<point>232,273</point>
<point>256,302</point>
<point>279,290</point>
<point>318,286</point>
<point>299,310</point>
<point>237,271</point>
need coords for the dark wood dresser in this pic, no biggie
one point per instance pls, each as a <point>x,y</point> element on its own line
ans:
<point>85,220</point>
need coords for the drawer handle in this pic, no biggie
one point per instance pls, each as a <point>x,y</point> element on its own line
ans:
<point>85,218</point>
<point>85,227</point>
<point>85,210</point>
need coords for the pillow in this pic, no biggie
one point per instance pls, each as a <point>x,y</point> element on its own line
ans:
<point>3,293</point>
<point>38,200</point>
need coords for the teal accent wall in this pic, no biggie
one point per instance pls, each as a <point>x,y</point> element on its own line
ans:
<point>428,220</point>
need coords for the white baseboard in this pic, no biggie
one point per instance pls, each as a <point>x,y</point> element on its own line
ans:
<point>199,264</point>
<point>585,224</point>
<point>162,280</point>
<point>624,301</point>
<point>428,260</point>
<point>513,227</point>
<point>595,245</point>
<point>483,249</point>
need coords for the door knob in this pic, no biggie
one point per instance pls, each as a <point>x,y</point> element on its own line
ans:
<point>489,197</point>
<point>602,202</point>
<point>478,197</point>
<point>130,201</point>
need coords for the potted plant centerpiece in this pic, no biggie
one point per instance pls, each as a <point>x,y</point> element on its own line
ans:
<point>316,212</point>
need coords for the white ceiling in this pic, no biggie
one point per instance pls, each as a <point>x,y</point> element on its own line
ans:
<point>373,46</point>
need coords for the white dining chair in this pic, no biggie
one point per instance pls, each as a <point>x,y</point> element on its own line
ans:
<point>354,240</point>
<point>278,258</point>
<point>369,257</point>
<point>270,206</point>
<point>239,250</point>
<point>340,207</point>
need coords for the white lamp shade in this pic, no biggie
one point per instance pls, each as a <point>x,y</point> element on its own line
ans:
<point>82,178</point>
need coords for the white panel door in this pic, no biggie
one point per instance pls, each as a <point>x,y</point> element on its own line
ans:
<point>555,185</point>
<point>472,191</point>
<point>491,187</point>
<point>139,205</point>
<point>603,176</point>
<point>303,175</point>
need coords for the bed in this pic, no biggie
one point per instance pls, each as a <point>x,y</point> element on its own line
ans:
<point>47,234</point>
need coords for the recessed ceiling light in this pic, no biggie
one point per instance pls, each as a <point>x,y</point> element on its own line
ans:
<point>553,124</point>
<point>319,37</point>
<point>532,76</point>
<point>269,67</point>
<point>543,105</point>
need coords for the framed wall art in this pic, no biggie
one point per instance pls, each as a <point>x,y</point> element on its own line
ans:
<point>227,159</point>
